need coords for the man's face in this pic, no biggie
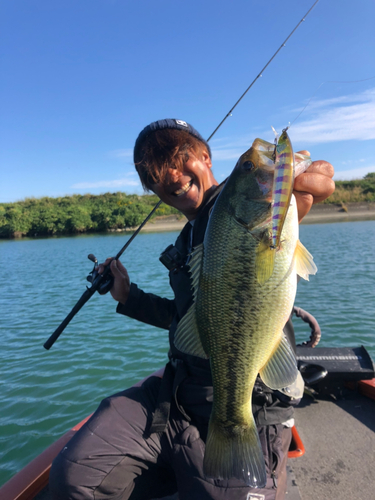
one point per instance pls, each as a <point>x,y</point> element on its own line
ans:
<point>187,190</point>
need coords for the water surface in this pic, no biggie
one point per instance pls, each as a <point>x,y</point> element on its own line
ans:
<point>45,393</point>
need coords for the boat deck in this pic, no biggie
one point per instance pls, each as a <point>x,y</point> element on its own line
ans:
<point>293,491</point>
<point>339,437</point>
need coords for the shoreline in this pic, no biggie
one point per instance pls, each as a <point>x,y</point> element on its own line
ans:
<point>349,212</point>
<point>319,214</point>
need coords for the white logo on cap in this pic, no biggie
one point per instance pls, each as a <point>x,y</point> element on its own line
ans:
<point>180,122</point>
<point>254,496</point>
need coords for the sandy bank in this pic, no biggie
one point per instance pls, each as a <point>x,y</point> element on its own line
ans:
<point>351,212</point>
<point>318,214</point>
<point>168,223</point>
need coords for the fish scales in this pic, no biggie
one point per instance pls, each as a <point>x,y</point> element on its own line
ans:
<point>228,303</point>
<point>236,321</point>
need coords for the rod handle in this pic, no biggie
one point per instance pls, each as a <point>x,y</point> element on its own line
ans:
<point>56,334</point>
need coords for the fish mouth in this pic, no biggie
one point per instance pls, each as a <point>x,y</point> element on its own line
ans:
<point>184,189</point>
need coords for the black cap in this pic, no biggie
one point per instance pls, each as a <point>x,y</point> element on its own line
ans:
<point>168,123</point>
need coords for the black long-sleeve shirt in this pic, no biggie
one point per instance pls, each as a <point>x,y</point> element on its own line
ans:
<point>166,313</point>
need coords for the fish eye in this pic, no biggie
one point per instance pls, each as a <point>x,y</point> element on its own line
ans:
<point>248,165</point>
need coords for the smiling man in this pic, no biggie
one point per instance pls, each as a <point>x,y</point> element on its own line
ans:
<point>180,175</point>
<point>148,442</point>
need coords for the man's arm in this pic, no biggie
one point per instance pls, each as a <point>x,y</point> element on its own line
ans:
<point>148,308</point>
<point>135,303</point>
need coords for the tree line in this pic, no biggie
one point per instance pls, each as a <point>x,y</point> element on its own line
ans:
<point>360,190</point>
<point>76,214</point>
<point>110,211</point>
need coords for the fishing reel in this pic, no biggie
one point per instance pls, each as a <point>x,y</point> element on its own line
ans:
<point>103,281</point>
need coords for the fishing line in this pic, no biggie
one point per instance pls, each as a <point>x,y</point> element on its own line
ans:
<point>321,85</point>
<point>261,72</point>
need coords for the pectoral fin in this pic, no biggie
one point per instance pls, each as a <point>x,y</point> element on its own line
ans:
<point>304,261</point>
<point>281,368</point>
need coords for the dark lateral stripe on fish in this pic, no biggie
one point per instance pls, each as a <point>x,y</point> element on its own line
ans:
<point>228,366</point>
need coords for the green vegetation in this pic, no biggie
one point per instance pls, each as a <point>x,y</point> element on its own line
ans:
<point>76,214</point>
<point>111,211</point>
<point>361,190</point>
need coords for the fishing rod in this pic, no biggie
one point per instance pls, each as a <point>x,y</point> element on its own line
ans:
<point>102,283</point>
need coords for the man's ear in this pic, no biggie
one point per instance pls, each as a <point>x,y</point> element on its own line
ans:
<point>205,158</point>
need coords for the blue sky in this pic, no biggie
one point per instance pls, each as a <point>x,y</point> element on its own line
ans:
<point>81,78</point>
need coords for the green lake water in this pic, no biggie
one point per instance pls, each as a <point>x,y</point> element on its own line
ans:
<point>45,393</point>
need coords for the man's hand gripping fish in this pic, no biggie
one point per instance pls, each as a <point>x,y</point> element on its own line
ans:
<point>237,319</point>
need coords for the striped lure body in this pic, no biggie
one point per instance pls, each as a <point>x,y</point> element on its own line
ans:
<point>282,186</point>
<point>286,166</point>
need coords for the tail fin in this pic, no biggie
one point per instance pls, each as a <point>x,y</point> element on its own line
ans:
<point>234,452</point>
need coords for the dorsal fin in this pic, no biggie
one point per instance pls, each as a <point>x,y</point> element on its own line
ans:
<point>195,265</point>
<point>187,337</point>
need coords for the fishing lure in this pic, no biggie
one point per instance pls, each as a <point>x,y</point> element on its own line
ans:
<point>287,166</point>
<point>282,186</point>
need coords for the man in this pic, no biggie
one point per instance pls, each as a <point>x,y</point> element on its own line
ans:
<point>148,442</point>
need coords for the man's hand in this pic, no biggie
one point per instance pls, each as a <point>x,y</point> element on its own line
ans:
<point>313,186</point>
<point>121,284</point>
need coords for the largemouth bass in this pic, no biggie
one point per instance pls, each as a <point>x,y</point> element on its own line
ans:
<point>236,321</point>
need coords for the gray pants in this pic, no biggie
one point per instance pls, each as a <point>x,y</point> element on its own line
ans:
<point>110,457</point>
